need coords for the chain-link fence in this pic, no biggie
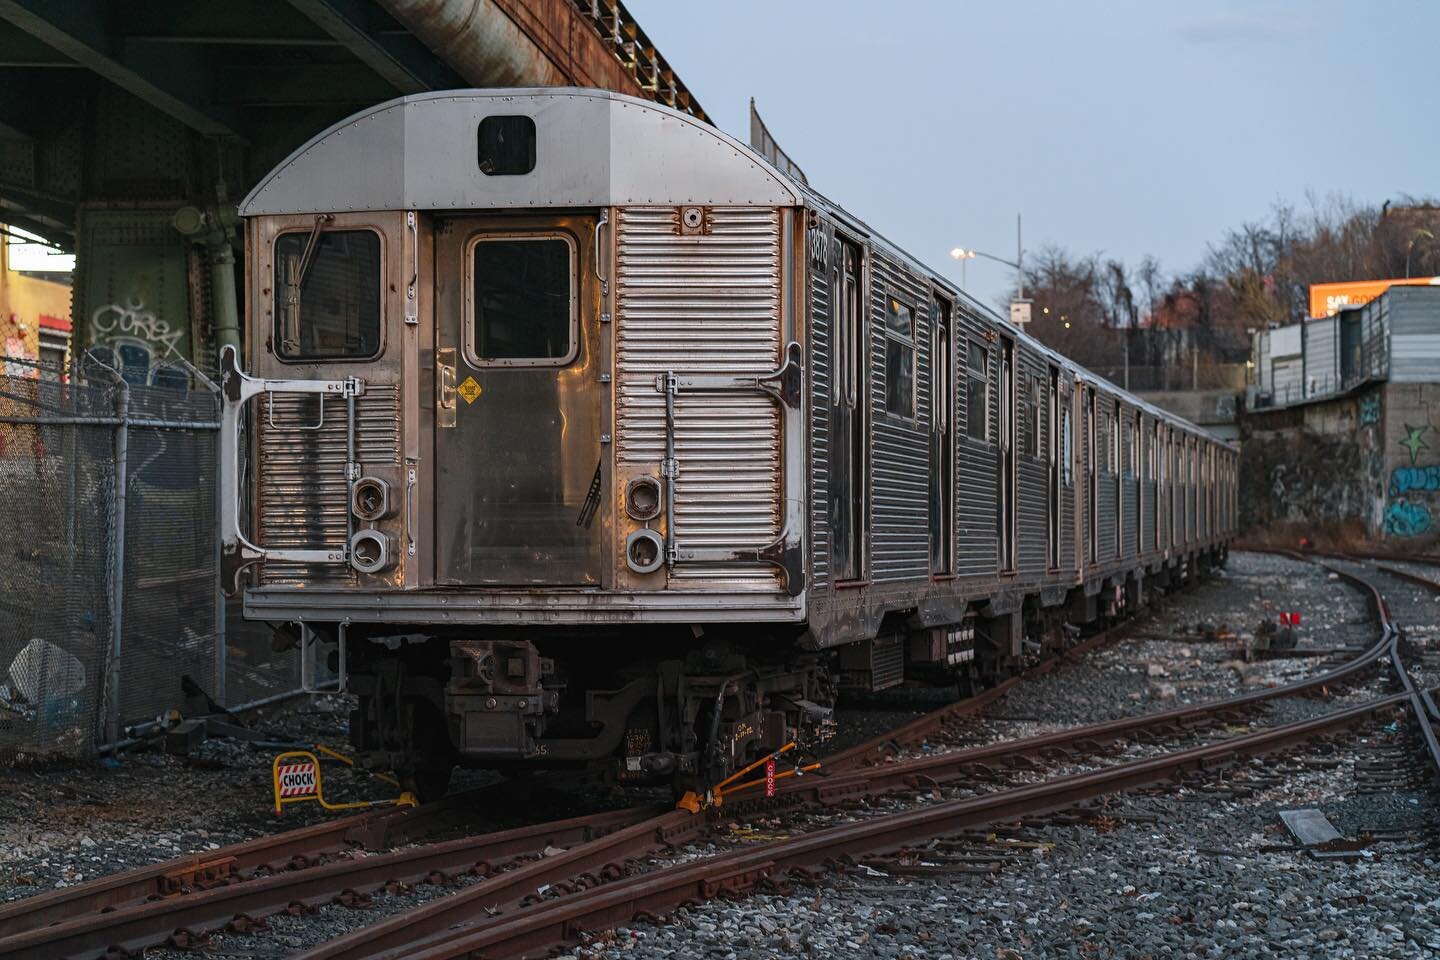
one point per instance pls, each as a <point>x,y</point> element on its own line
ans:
<point>109,612</point>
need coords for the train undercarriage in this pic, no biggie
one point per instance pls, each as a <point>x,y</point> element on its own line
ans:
<point>687,706</point>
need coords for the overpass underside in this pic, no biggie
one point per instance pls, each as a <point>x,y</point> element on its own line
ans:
<point>128,130</point>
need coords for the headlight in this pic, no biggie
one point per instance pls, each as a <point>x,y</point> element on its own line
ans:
<point>644,551</point>
<point>369,551</point>
<point>370,499</point>
<point>642,499</point>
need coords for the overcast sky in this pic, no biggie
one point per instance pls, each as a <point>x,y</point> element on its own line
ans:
<point>1124,127</point>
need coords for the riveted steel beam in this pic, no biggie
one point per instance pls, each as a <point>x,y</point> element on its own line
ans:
<point>175,79</point>
<point>398,57</point>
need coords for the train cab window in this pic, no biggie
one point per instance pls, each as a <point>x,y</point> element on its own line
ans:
<point>977,392</point>
<point>524,304</point>
<point>327,294</point>
<point>900,359</point>
<point>507,146</point>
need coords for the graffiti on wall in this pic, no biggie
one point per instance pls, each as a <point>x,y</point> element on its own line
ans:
<point>1409,516</point>
<point>134,341</point>
<point>1415,479</point>
<point>1412,441</point>
<point>133,320</point>
<point>1404,518</point>
<point>1369,409</point>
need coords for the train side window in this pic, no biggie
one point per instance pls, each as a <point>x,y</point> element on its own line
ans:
<point>506,145</point>
<point>1067,451</point>
<point>900,359</point>
<point>977,392</point>
<point>523,300</point>
<point>327,299</point>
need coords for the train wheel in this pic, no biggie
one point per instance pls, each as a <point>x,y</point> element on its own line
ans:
<point>428,774</point>
<point>428,780</point>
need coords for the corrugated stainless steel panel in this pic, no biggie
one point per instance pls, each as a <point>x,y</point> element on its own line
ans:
<point>1148,513</point>
<point>1033,492</point>
<point>303,494</point>
<point>900,452</point>
<point>696,305</point>
<point>820,399</point>
<point>975,494</point>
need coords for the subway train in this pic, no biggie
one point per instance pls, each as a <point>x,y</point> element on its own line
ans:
<point>587,438</point>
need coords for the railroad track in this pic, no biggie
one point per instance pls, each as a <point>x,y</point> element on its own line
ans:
<point>592,857</point>
<point>178,901</point>
<point>539,925</point>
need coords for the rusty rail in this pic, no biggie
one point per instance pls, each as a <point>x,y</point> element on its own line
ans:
<point>442,923</point>
<point>136,926</point>
<point>372,830</point>
<point>532,930</point>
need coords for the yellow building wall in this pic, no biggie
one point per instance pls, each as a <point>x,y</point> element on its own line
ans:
<point>22,302</point>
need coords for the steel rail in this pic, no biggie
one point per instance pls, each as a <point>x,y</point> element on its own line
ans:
<point>532,930</point>
<point>134,927</point>
<point>1422,705</point>
<point>853,781</point>
<point>372,830</point>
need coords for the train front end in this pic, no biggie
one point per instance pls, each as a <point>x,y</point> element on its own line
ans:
<point>519,429</point>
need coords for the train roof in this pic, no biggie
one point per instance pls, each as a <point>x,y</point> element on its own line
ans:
<point>819,201</point>
<point>593,148</point>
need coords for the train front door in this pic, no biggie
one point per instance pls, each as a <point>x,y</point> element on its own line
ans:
<point>520,482</point>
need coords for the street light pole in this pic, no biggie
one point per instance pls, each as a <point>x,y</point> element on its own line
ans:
<point>1019,262</point>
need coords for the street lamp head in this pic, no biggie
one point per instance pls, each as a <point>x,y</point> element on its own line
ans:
<point>959,253</point>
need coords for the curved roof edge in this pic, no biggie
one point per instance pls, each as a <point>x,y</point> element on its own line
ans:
<point>593,148</point>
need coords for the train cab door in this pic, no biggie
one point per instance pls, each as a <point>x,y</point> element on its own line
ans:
<point>849,382</point>
<point>520,478</point>
<point>1055,448</point>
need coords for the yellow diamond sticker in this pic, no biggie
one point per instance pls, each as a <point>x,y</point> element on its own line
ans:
<point>469,390</point>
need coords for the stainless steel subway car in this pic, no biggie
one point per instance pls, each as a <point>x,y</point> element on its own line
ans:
<point>589,437</point>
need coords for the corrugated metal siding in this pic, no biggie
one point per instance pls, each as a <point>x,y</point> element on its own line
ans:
<point>900,463</point>
<point>1129,490</point>
<point>1414,321</point>
<point>1285,375</point>
<point>303,494</point>
<point>1032,495</point>
<point>975,502</point>
<point>1322,358</point>
<point>1103,409</point>
<point>820,399</point>
<point>698,305</point>
<point>1147,544</point>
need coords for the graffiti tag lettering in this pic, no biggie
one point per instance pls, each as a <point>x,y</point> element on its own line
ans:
<point>1370,409</point>
<point>135,320</point>
<point>1406,519</point>
<point>1406,479</point>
